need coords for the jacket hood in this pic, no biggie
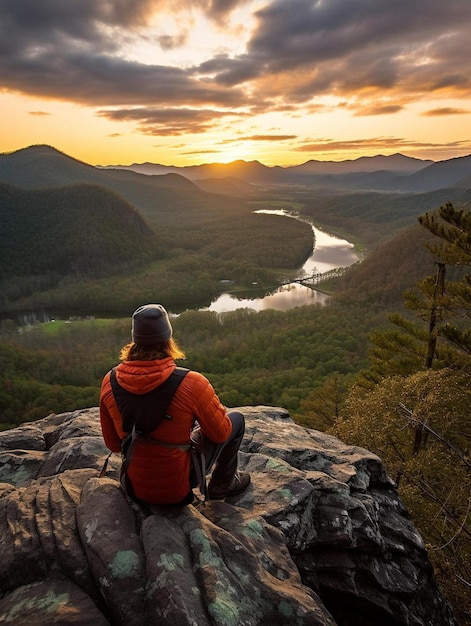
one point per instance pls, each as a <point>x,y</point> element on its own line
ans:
<point>142,376</point>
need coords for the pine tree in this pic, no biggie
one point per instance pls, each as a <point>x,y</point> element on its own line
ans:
<point>416,415</point>
<point>453,227</point>
<point>442,337</point>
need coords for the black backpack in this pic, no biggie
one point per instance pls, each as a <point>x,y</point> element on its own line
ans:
<point>142,414</point>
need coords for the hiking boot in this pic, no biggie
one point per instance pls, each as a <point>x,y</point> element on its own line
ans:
<point>239,483</point>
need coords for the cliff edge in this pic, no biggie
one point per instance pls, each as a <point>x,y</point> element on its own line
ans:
<point>320,537</point>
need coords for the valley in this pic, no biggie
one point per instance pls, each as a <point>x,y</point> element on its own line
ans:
<point>76,238</point>
<point>69,254</point>
<point>73,246</point>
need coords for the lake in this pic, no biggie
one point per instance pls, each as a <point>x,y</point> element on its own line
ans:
<point>329,252</point>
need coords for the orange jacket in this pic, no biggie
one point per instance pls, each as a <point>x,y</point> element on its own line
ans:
<point>160,474</point>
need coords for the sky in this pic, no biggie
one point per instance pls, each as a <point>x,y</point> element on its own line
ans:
<point>185,82</point>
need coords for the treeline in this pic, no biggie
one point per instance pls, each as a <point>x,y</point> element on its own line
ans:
<point>26,398</point>
<point>271,357</point>
<point>266,241</point>
<point>380,280</point>
<point>74,234</point>
<point>258,249</point>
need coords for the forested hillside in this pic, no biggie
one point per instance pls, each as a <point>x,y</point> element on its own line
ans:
<point>53,237</point>
<point>372,217</point>
<point>81,230</point>
<point>259,250</point>
<point>411,404</point>
<point>65,244</point>
<point>379,281</point>
<point>163,201</point>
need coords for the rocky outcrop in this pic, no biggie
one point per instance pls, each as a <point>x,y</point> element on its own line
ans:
<point>319,538</point>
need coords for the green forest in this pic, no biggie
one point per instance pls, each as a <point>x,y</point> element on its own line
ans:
<point>82,248</point>
<point>356,368</point>
<point>383,365</point>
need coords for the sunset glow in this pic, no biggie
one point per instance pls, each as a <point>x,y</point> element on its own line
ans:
<point>278,81</point>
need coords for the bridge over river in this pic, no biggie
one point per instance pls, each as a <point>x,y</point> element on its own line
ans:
<point>317,277</point>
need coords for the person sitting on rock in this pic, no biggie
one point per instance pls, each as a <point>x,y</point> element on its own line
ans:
<point>164,468</point>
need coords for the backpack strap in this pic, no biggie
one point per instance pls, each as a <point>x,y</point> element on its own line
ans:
<point>142,414</point>
<point>146,411</point>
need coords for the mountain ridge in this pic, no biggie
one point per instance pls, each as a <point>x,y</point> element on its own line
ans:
<point>396,162</point>
<point>392,173</point>
<point>44,166</point>
<point>395,172</point>
<point>216,222</point>
<point>256,172</point>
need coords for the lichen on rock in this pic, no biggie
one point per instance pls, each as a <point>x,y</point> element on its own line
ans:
<point>320,537</point>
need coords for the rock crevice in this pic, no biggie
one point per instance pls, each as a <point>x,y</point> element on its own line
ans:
<point>320,537</point>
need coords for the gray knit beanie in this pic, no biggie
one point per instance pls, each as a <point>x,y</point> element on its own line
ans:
<point>150,325</point>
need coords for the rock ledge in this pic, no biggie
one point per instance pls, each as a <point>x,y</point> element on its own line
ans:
<point>319,538</point>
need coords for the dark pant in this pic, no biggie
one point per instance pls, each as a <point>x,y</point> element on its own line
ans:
<point>221,458</point>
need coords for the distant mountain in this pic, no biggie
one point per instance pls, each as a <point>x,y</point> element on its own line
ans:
<point>441,174</point>
<point>396,172</point>
<point>154,188</point>
<point>176,208</point>
<point>249,171</point>
<point>44,166</point>
<point>161,198</point>
<point>256,172</point>
<point>373,217</point>
<point>63,219</point>
<point>81,230</point>
<point>393,163</point>
<point>465,183</point>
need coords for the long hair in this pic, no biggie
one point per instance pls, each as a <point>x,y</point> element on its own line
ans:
<point>138,352</point>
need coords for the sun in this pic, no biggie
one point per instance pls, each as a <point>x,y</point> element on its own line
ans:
<point>234,152</point>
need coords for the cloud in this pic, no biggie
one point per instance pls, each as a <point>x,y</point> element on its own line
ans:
<point>169,42</point>
<point>201,152</point>
<point>347,47</point>
<point>72,50</point>
<point>168,121</point>
<point>379,109</point>
<point>446,111</point>
<point>266,138</point>
<point>106,80</point>
<point>218,10</point>
<point>378,143</point>
<point>303,33</point>
<point>30,29</point>
<point>297,53</point>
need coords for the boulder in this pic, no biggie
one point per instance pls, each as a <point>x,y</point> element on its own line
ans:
<point>319,538</point>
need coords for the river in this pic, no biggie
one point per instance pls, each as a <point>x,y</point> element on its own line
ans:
<point>328,253</point>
